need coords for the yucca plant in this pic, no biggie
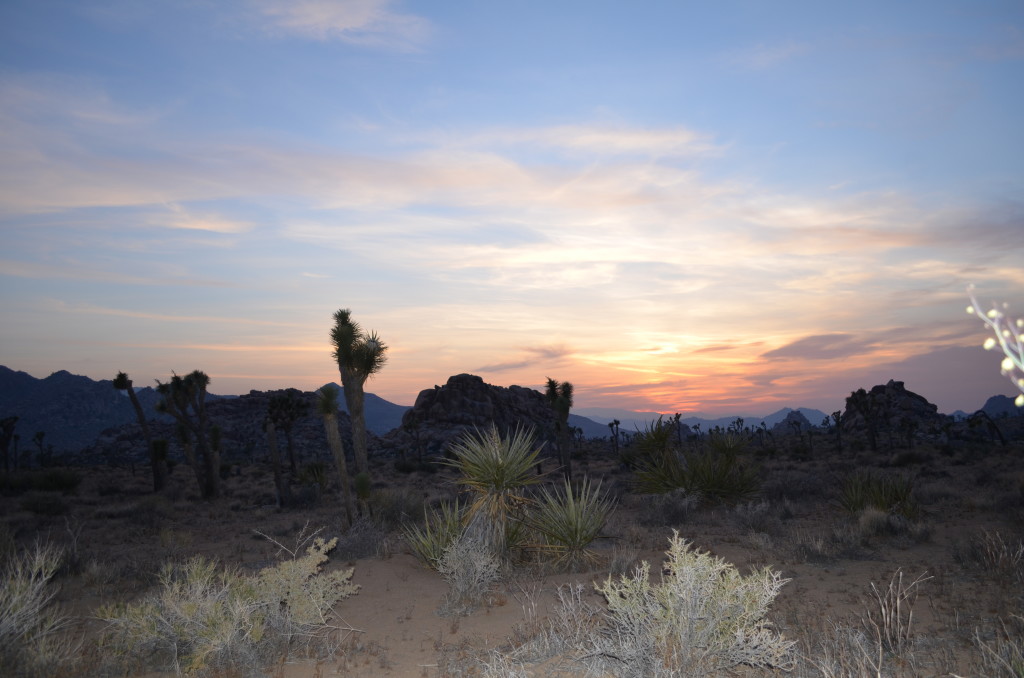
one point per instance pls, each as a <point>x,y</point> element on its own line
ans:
<point>441,526</point>
<point>568,520</point>
<point>721,476</point>
<point>495,471</point>
<point>709,475</point>
<point>892,494</point>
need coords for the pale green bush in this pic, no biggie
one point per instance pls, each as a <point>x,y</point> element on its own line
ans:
<point>471,569</point>
<point>702,616</point>
<point>206,618</point>
<point>33,638</point>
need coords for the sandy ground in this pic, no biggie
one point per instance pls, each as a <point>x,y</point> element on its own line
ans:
<point>121,534</point>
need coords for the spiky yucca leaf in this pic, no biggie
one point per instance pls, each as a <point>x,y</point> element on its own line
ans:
<point>441,526</point>
<point>495,470</point>
<point>568,520</point>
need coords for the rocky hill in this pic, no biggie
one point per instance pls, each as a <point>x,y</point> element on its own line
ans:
<point>444,413</point>
<point>72,411</point>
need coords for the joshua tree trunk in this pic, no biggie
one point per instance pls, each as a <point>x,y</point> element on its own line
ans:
<point>280,484</point>
<point>157,461</point>
<point>189,451</point>
<point>6,435</point>
<point>334,440</point>
<point>354,398</point>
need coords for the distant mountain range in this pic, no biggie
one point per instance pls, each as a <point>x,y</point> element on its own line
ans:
<point>71,411</point>
<point>637,421</point>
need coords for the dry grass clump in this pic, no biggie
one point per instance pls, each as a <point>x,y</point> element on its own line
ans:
<point>991,555</point>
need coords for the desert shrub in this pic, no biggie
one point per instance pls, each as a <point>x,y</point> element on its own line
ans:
<point>889,493</point>
<point>569,520</point>
<point>44,503</point>
<point>8,545</point>
<point>394,507</point>
<point>727,443</point>
<point>993,556</point>
<point>32,630</point>
<point>206,618</point>
<point>314,474</point>
<point>363,538</point>
<point>715,474</point>
<point>496,471</point>
<point>63,480</point>
<point>669,509</point>
<point>471,568</point>
<point>758,516</point>
<point>843,651</point>
<point>1003,655</point>
<point>441,526</point>
<point>150,511</point>
<point>702,616</point>
<point>872,523</point>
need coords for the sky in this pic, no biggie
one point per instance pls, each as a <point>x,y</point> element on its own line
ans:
<point>696,207</point>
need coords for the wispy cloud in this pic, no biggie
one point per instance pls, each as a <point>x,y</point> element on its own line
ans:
<point>372,23</point>
<point>821,347</point>
<point>765,56</point>
<point>532,356</point>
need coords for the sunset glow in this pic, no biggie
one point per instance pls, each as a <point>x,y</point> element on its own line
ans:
<point>707,208</point>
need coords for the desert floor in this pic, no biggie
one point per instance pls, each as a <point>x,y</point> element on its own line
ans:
<point>966,540</point>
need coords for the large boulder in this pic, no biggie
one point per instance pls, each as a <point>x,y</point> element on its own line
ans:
<point>466,403</point>
<point>891,415</point>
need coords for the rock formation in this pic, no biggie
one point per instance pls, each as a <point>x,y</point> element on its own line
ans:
<point>890,416</point>
<point>444,413</point>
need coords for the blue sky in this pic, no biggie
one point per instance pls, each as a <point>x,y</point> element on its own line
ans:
<point>696,207</point>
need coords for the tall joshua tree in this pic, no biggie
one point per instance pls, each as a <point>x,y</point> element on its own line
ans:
<point>185,400</point>
<point>328,407</point>
<point>284,410</point>
<point>358,355</point>
<point>157,461</point>
<point>559,396</point>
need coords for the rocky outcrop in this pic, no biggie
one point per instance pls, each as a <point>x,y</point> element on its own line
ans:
<point>890,416</point>
<point>795,422</point>
<point>444,413</point>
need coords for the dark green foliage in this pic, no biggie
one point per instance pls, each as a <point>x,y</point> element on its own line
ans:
<point>889,493</point>
<point>441,526</point>
<point>45,504</point>
<point>717,474</point>
<point>568,520</point>
<point>63,480</point>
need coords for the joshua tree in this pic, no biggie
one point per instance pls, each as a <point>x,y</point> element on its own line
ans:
<point>862,402</point>
<point>185,400</point>
<point>283,490</point>
<point>328,407</point>
<point>38,440</point>
<point>358,355</point>
<point>7,425</point>
<point>559,396</point>
<point>284,410</point>
<point>157,461</point>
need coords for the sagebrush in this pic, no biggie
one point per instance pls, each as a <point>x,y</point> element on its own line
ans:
<point>205,617</point>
